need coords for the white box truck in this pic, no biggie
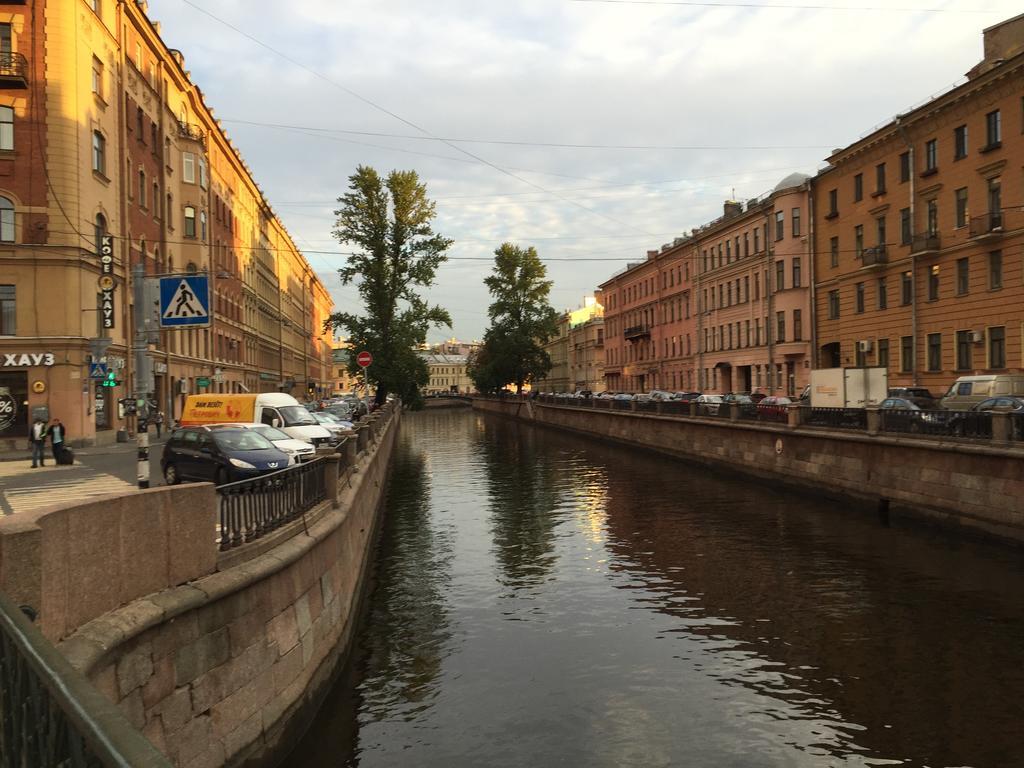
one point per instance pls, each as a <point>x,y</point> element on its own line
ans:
<point>848,387</point>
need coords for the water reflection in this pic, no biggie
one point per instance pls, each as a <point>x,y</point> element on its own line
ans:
<point>547,599</point>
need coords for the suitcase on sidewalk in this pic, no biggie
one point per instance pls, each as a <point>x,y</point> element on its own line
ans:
<point>65,456</point>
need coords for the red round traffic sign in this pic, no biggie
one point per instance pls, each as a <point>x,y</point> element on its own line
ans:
<point>363,359</point>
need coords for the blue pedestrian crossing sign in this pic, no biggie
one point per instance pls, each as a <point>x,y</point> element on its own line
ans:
<point>97,370</point>
<point>184,301</point>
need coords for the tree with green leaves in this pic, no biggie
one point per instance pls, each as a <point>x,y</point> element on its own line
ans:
<point>397,252</point>
<point>522,321</point>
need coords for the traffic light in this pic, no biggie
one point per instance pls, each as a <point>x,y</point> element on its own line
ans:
<point>110,380</point>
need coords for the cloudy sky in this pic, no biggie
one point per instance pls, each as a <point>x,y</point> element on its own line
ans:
<point>590,129</point>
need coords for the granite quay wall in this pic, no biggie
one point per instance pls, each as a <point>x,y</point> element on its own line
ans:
<point>967,485</point>
<point>219,658</point>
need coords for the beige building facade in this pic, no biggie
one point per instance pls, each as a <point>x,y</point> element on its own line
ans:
<point>112,143</point>
<point>448,374</point>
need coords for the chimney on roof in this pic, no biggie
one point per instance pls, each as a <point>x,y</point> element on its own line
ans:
<point>1001,41</point>
<point>652,254</point>
<point>733,208</point>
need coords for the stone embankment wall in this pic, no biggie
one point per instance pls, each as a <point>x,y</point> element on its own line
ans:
<point>959,483</point>
<point>218,658</point>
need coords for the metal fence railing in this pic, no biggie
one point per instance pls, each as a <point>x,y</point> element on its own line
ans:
<point>975,424</point>
<point>52,715</point>
<point>1017,426</point>
<point>837,418</point>
<point>252,508</point>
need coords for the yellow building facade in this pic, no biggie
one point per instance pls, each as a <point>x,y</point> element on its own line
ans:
<point>110,141</point>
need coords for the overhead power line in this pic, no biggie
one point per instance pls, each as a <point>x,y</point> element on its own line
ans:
<point>787,6</point>
<point>524,143</point>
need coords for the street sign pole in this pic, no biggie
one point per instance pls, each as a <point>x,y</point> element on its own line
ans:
<point>364,360</point>
<point>143,375</point>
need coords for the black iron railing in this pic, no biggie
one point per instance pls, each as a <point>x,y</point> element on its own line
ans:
<point>637,332</point>
<point>52,715</point>
<point>837,418</point>
<point>252,508</point>
<point>774,414</point>
<point>190,131</point>
<point>1016,426</point>
<point>676,407</point>
<point>647,406</point>
<point>622,405</point>
<point>875,255</point>
<point>13,66</point>
<point>924,243</point>
<point>987,223</point>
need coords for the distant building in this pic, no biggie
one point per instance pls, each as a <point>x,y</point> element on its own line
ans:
<point>455,347</point>
<point>585,347</point>
<point>447,374</point>
<point>342,380</point>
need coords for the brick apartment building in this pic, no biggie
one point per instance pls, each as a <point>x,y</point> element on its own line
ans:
<point>919,233</point>
<point>726,308</point>
<point>102,132</point>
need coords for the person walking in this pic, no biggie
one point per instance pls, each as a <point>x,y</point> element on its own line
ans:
<point>37,439</point>
<point>58,439</point>
<point>158,421</point>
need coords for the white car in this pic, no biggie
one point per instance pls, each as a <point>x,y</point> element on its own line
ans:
<point>709,404</point>
<point>297,450</point>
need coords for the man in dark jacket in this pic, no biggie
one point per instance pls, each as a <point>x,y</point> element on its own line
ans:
<point>37,439</point>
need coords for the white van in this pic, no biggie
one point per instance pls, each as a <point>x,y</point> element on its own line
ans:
<point>968,390</point>
<point>276,409</point>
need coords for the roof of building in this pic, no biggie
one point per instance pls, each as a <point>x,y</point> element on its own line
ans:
<point>794,179</point>
<point>433,359</point>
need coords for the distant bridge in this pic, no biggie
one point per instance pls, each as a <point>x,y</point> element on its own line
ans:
<point>448,401</point>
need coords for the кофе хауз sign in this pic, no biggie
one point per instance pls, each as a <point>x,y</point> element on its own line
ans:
<point>26,360</point>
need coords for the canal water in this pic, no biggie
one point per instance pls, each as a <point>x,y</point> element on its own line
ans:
<point>542,599</point>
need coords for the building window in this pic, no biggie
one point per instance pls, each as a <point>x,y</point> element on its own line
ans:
<point>880,179</point>
<point>798,328</point>
<point>931,156</point>
<point>8,311</point>
<point>6,220</point>
<point>140,125</point>
<point>780,275</point>
<point>933,283</point>
<point>7,129</point>
<point>995,270</point>
<point>963,276</point>
<point>797,278</point>
<point>188,167</point>
<point>138,56</point>
<point>995,203</point>
<point>906,354</point>
<point>97,77</point>
<point>963,351</point>
<point>169,210</point>
<point>960,142</point>
<point>883,294</point>
<point>858,241</point>
<point>202,227</point>
<point>780,225</point>
<point>796,222</point>
<point>780,327</point>
<point>99,153</point>
<point>997,347</point>
<point>905,167</point>
<point>905,228</point>
<point>859,294</point>
<point>190,221</point>
<point>833,305</point>
<point>858,187</point>
<point>96,7</point>
<point>883,352</point>
<point>202,173</point>
<point>907,288</point>
<point>757,240</point>
<point>154,139</point>
<point>99,230</point>
<point>880,230</point>
<point>156,200</point>
<point>993,130</point>
<point>934,351</point>
<point>960,197</point>
<point>933,218</point>
<point>142,189</point>
<point>833,203</point>
<point>834,252</point>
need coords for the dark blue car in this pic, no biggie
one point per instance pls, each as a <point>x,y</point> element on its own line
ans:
<point>222,455</point>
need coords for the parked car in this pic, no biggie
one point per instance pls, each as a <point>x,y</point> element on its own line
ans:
<point>774,405</point>
<point>297,450</point>
<point>660,395</point>
<point>1007,404</point>
<point>709,404</point>
<point>685,396</point>
<point>920,396</point>
<point>220,455</point>
<point>622,396</point>
<point>642,397</point>
<point>737,397</point>
<point>333,425</point>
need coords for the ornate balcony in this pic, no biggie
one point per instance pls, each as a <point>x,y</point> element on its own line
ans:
<point>987,225</point>
<point>925,243</point>
<point>637,332</point>
<point>13,71</point>
<point>874,256</point>
<point>190,131</point>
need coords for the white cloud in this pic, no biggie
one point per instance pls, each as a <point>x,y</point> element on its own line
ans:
<point>547,70</point>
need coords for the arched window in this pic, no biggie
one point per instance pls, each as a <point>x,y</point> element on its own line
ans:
<point>100,229</point>
<point>190,221</point>
<point>6,220</point>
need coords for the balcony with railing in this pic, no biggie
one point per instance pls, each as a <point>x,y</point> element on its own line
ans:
<point>13,70</point>
<point>874,256</point>
<point>637,332</point>
<point>987,225</point>
<point>924,243</point>
<point>190,131</point>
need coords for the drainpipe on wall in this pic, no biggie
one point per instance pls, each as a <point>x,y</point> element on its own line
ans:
<point>701,309</point>
<point>769,249</point>
<point>811,252</point>
<point>913,258</point>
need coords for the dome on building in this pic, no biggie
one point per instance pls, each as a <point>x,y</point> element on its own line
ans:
<point>793,180</point>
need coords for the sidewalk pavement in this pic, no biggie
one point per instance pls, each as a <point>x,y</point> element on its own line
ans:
<point>93,450</point>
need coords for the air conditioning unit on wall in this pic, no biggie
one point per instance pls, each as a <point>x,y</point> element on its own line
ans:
<point>977,336</point>
<point>865,345</point>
